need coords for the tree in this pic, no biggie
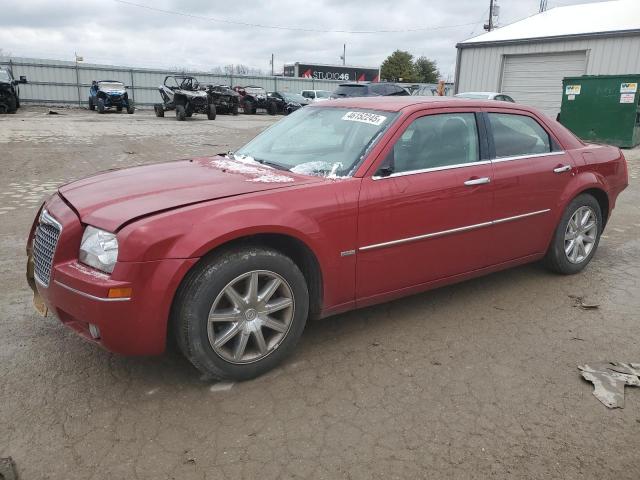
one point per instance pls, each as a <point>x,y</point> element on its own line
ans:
<point>426,70</point>
<point>398,67</point>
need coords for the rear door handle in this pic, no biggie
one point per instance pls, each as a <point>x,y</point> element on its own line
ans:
<point>477,181</point>
<point>562,169</point>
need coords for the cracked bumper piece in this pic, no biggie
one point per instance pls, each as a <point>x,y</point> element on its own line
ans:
<point>129,308</point>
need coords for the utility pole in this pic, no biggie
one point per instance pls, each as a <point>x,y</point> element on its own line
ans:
<point>344,53</point>
<point>271,64</point>
<point>490,26</point>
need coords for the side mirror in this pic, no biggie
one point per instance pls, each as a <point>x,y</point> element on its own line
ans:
<point>23,79</point>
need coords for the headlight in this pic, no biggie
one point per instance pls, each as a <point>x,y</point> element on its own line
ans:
<point>99,249</point>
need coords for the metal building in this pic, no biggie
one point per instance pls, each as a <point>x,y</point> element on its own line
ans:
<point>528,59</point>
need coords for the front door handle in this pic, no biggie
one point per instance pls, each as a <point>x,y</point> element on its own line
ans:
<point>477,181</point>
<point>562,169</point>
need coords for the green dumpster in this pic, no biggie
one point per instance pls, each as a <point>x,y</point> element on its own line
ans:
<point>603,108</point>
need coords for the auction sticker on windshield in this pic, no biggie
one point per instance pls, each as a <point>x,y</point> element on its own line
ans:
<point>365,117</point>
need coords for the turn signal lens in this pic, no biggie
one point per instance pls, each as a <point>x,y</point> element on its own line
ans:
<point>120,292</point>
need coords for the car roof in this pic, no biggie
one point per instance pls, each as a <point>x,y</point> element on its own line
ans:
<point>398,103</point>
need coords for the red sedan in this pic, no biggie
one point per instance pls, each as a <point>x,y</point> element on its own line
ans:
<point>342,204</point>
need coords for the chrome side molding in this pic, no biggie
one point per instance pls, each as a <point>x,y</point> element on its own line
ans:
<point>451,231</point>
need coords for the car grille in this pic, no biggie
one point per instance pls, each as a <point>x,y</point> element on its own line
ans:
<point>116,98</point>
<point>45,240</point>
<point>199,101</point>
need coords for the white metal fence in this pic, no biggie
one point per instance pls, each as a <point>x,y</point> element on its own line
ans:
<point>60,82</point>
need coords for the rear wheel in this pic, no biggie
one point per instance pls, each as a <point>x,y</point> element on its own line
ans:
<point>577,236</point>
<point>180,112</point>
<point>238,314</point>
<point>248,108</point>
<point>159,110</point>
<point>100,105</point>
<point>234,110</point>
<point>211,112</point>
<point>272,108</point>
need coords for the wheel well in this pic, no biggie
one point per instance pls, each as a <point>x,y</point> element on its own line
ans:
<point>293,248</point>
<point>603,201</point>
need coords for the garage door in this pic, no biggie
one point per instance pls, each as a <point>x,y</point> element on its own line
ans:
<point>536,80</point>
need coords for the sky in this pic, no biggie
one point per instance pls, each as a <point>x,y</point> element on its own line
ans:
<point>207,34</point>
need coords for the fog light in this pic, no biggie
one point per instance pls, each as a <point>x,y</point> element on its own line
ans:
<point>94,331</point>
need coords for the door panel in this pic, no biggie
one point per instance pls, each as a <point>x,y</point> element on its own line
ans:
<point>420,225</point>
<point>527,190</point>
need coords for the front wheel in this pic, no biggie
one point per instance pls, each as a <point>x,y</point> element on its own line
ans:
<point>238,314</point>
<point>159,110</point>
<point>181,112</point>
<point>576,237</point>
<point>211,112</point>
<point>131,109</point>
<point>101,106</point>
<point>234,110</point>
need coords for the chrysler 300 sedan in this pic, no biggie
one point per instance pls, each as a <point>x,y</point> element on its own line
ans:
<point>343,204</point>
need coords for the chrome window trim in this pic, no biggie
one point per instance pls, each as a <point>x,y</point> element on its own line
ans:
<point>522,157</point>
<point>88,295</point>
<point>450,231</point>
<point>433,169</point>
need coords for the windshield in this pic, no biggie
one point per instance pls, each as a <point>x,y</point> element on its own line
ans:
<point>4,76</point>
<point>329,142</point>
<point>350,91</point>
<point>294,97</point>
<point>111,85</point>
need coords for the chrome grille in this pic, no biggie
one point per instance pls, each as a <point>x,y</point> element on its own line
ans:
<point>45,240</point>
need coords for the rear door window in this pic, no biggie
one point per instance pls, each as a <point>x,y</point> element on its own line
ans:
<point>518,135</point>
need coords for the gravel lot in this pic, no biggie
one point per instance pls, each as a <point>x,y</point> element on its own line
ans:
<point>476,380</point>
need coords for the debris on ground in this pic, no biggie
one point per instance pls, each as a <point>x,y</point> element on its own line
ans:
<point>584,303</point>
<point>8,469</point>
<point>609,380</point>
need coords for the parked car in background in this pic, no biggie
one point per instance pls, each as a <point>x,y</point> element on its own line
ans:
<point>107,94</point>
<point>287,102</point>
<point>224,98</point>
<point>368,90</point>
<point>316,95</point>
<point>186,96</point>
<point>486,96</point>
<point>9,91</point>
<point>230,255</point>
<point>253,98</point>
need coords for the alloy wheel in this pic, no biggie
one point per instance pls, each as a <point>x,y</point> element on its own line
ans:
<point>581,234</point>
<point>250,317</point>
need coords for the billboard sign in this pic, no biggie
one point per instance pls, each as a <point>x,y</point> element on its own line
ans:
<point>332,72</point>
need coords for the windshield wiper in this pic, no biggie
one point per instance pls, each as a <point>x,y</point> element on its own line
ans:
<point>271,164</point>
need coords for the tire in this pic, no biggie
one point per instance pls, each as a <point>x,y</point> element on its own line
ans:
<point>566,257</point>
<point>131,109</point>
<point>272,108</point>
<point>91,105</point>
<point>12,106</point>
<point>248,108</point>
<point>211,113</point>
<point>203,292</point>
<point>17,102</point>
<point>180,112</point>
<point>234,110</point>
<point>100,105</point>
<point>159,109</point>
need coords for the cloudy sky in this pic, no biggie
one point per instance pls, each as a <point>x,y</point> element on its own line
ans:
<point>202,34</point>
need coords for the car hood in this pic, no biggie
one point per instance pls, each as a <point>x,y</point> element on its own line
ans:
<point>111,199</point>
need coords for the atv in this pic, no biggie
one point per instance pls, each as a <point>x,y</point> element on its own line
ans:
<point>106,94</point>
<point>9,91</point>
<point>225,98</point>
<point>184,95</point>
<point>253,98</point>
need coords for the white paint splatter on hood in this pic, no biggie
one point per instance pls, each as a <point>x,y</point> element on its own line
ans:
<point>249,167</point>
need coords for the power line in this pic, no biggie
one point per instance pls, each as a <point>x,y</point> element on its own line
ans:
<point>280,27</point>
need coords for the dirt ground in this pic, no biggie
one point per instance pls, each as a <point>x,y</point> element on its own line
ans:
<point>476,380</point>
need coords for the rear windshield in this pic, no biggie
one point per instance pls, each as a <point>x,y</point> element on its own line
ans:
<point>350,90</point>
